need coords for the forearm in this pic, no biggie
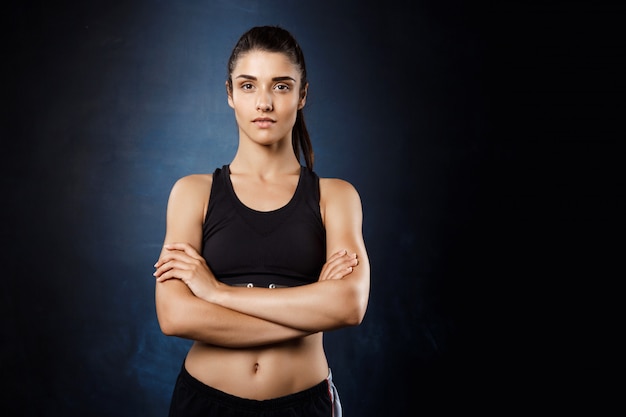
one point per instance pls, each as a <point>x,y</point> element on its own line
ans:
<point>324,305</point>
<point>182,314</point>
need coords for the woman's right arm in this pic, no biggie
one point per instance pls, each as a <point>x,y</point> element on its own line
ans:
<point>182,314</point>
<point>179,312</point>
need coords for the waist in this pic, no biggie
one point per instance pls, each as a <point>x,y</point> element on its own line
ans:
<point>252,406</point>
<point>262,372</point>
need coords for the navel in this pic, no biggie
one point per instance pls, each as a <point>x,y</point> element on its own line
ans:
<point>256,367</point>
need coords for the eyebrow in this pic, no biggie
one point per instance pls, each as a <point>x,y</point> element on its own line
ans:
<point>252,77</point>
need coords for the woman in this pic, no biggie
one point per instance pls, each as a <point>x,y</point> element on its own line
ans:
<point>262,256</point>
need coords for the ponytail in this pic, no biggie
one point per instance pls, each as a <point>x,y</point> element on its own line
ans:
<point>301,141</point>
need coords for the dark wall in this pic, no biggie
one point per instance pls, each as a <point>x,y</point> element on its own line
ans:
<point>479,156</point>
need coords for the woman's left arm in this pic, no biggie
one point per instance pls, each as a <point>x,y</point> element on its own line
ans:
<point>329,303</point>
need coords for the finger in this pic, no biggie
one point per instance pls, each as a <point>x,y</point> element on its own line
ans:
<point>184,247</point>
<point>330,263</point>
<point>175,254</point>
<point>171,274</point>
<point>346,259</point>
<point>339,273</point>
<point>339,268</point>
<point>165,256</point>
<point>336,255</point>
<point>172,265</point>
<point>342,273</point>
<point>181,272</point>
<point>170,250</point>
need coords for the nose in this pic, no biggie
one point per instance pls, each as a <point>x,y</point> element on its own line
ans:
<point>264,102</point>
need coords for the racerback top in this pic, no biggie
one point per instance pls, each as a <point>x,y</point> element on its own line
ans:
<point>282,247</point>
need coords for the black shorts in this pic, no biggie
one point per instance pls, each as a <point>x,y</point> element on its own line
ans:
<point>193,398</point>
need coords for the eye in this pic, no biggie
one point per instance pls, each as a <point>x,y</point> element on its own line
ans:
<point>247,86</point>
<point>282,87</point>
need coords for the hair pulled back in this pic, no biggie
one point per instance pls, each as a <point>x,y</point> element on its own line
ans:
<point>277,39</point>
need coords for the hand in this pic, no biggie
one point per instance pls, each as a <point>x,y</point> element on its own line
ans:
<point>181,261</point>
<point>338,265</point>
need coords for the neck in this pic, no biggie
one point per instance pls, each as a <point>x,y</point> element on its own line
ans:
<point>264,162</point>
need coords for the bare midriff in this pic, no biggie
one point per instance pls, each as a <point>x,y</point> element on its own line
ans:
<point>260,373</point>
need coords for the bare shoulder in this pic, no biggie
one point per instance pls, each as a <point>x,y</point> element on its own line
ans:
<point>194,182</point>
<point>192,189</point>
<point>338,196</point>
<point>337,188</point>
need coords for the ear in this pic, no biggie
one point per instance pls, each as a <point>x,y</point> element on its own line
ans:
<point>303,94</point>
<point>229,94</point>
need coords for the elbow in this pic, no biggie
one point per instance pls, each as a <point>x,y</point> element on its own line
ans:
<point>358,300</point>
<point>168,327</point>
<point>172,308</point>
<point>356,316</point>
<point>170,321</point>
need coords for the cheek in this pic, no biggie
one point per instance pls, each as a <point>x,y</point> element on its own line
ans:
<point>292,118</point>
<point>242,103</point>
<point>290,105</point>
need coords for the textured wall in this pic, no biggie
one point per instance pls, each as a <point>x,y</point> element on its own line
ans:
<point>109,103</point>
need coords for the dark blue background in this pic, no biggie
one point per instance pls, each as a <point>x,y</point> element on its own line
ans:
<point>479,136</point>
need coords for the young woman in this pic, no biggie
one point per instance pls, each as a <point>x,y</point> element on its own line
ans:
<point>261,256</point>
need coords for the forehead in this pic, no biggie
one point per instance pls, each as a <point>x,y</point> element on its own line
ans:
<point>265,64</point>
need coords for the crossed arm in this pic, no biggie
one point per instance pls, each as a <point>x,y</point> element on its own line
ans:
<point>191,303</point>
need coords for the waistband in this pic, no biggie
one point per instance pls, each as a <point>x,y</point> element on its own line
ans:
<point>229,400</point>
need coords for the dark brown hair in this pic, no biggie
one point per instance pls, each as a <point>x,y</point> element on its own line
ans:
<point>277,39</point>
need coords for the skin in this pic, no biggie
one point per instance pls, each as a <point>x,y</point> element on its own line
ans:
<point>261,343</point>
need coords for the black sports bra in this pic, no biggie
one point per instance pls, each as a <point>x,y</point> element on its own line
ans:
<point>282,247</point>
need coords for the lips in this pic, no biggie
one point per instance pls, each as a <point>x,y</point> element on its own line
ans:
<point>263,122</point>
